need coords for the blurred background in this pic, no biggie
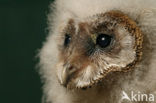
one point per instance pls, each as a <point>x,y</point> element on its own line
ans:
<point>22,30</point>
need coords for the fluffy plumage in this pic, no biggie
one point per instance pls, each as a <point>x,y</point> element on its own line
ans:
<point>81,63</point>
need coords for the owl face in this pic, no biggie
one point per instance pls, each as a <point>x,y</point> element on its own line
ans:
<point>96,46</point>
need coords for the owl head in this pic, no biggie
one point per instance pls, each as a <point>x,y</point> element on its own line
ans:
<point>91,48</point>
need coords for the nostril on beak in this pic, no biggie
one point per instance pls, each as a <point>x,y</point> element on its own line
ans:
<point>70,68</point>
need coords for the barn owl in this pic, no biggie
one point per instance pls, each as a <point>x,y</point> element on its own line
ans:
<point>100,51</point>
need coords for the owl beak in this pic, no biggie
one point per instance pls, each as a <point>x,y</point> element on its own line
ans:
<point>67,74</point>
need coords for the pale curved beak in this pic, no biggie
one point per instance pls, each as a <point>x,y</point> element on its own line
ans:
<point>66,73</point>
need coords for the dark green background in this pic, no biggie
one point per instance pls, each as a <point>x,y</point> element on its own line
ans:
<point>22,30</point>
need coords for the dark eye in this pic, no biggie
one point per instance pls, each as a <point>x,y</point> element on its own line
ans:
<point>67,39</point>
<point>103,40</point>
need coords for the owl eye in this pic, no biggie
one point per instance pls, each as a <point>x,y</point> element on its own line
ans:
<point>103,40</point>
<point>67,39</point>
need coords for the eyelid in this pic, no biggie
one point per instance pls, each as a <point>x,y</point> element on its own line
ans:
<point>93,37</point>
